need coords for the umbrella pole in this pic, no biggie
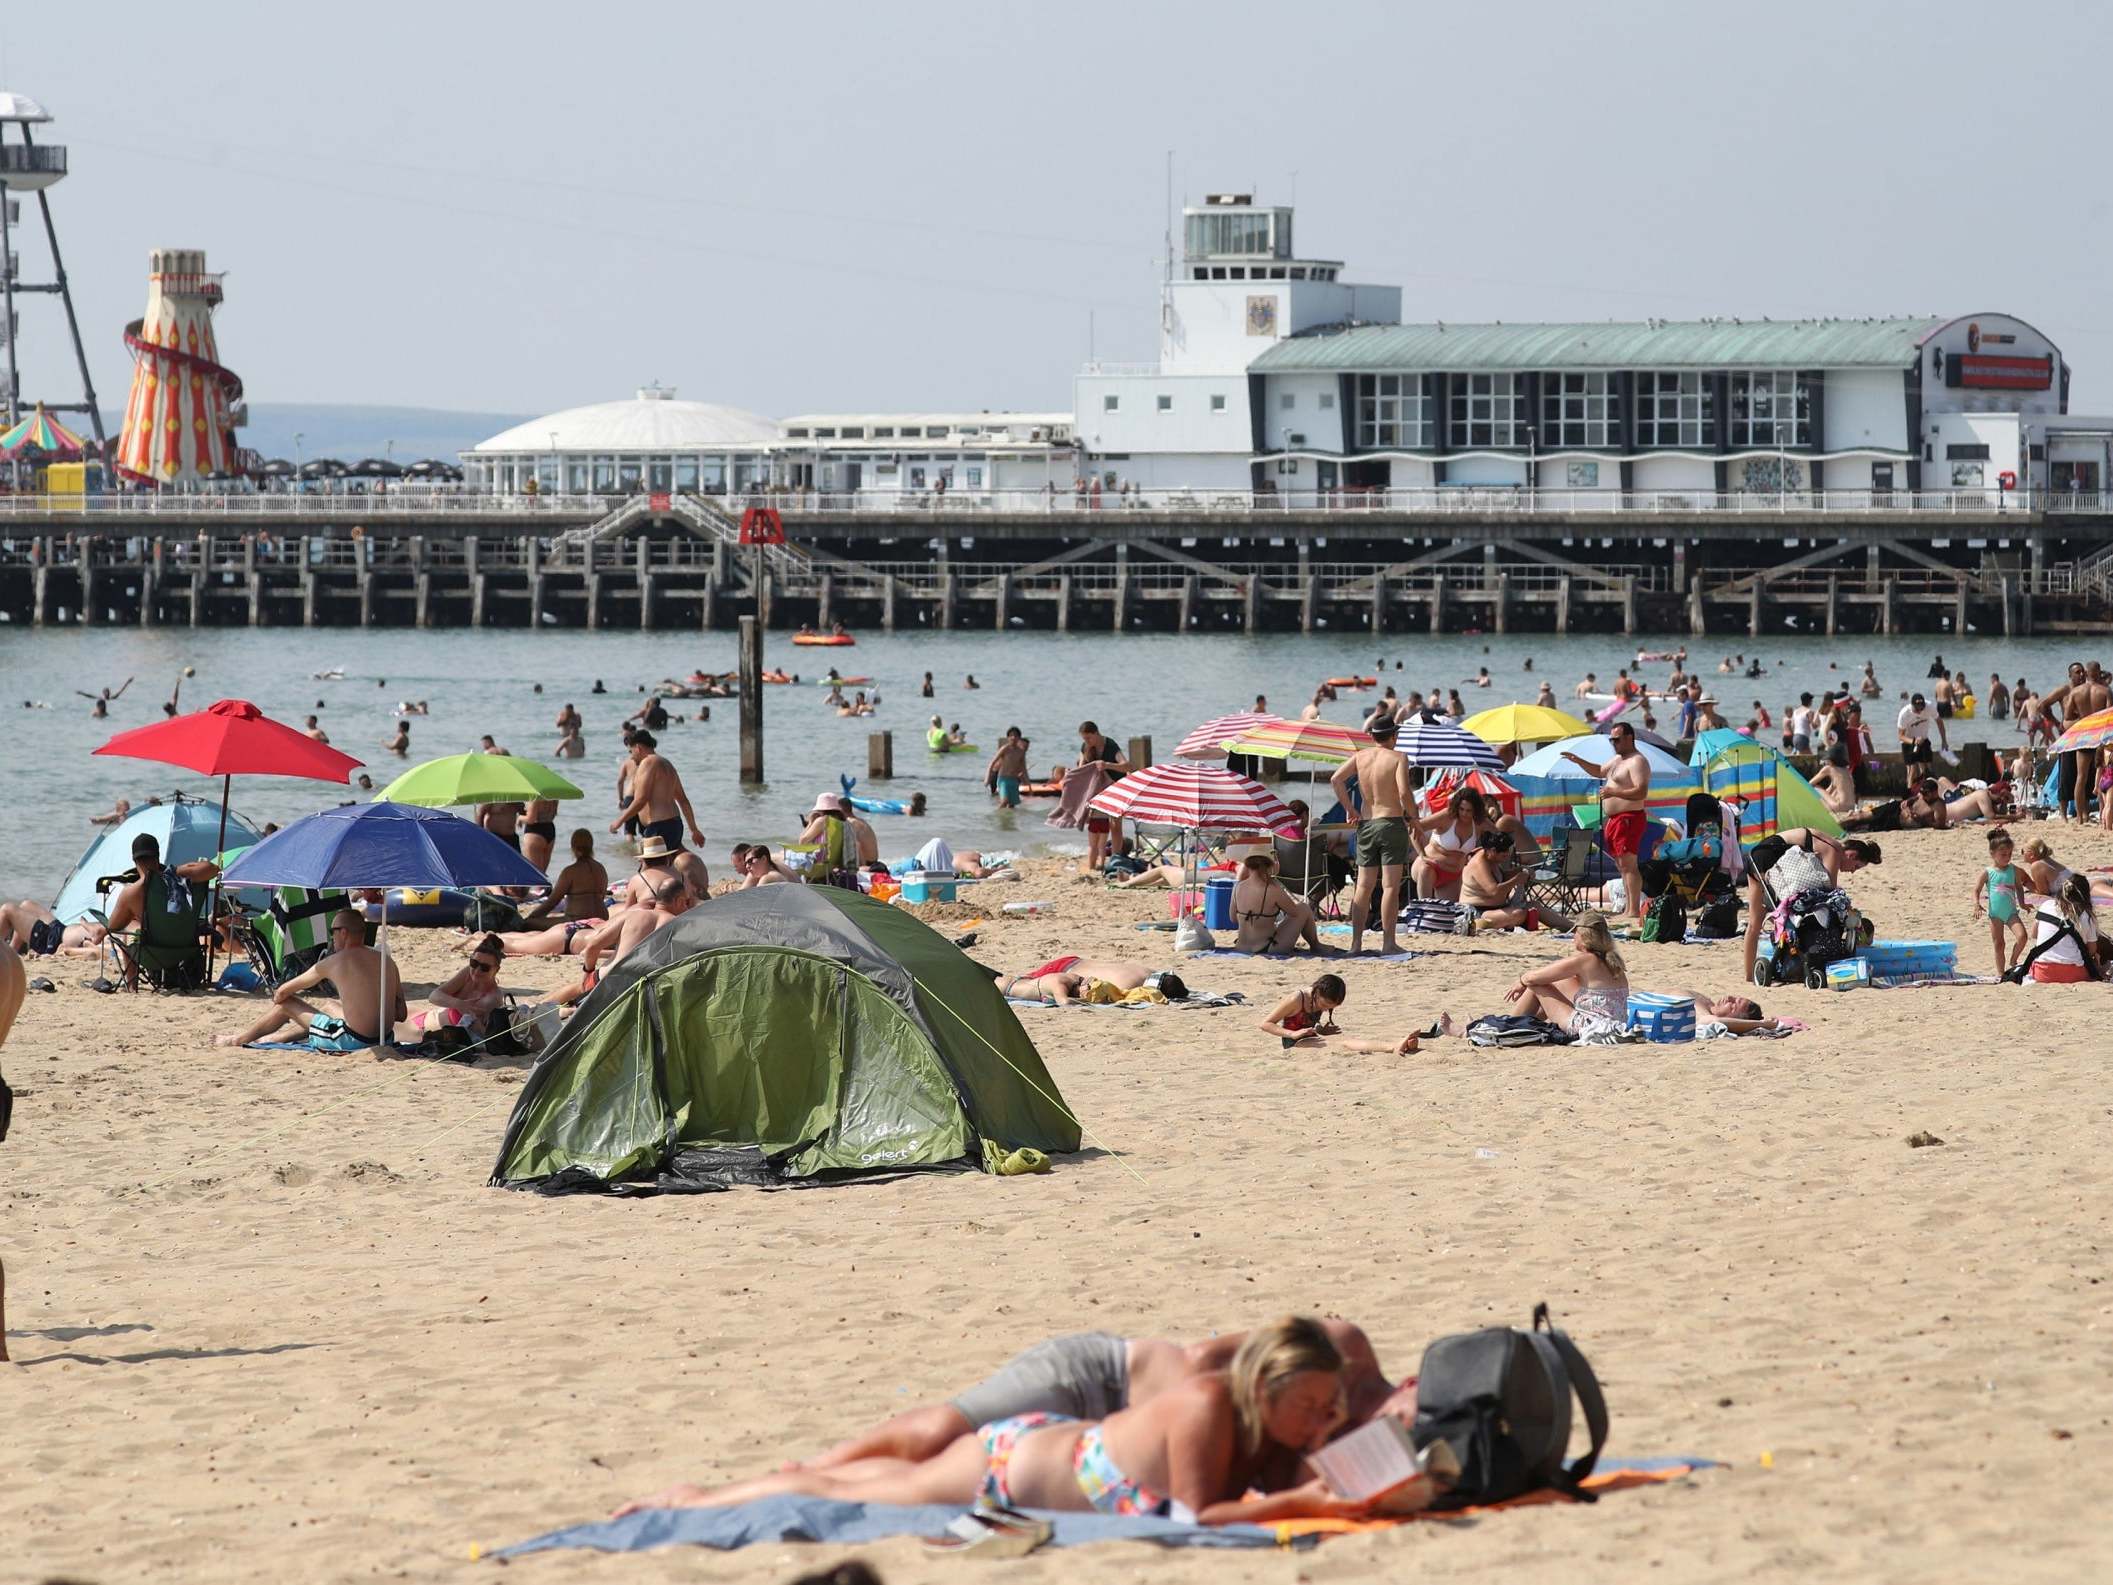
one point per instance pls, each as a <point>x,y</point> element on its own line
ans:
<point>384,1028</point>
<point>212,932</point>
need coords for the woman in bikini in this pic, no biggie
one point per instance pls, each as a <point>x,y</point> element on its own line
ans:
<point>1449,838</point>
<point>1306,1020</point>
<point>1270,919</point>
<point>581,891</point>
<point>1192,1453</point>
<point>1587,992</point>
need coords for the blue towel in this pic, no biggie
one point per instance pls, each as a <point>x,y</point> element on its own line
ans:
<point>821,1519</point>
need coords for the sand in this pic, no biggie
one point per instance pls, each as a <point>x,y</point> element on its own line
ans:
<point>271,1324</point>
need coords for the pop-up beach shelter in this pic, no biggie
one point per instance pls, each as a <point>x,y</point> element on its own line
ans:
<point>1772,795</point>
<point>804,1030</point>
<point>187,830</point>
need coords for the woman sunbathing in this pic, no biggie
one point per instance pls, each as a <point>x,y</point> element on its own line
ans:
<point>1587,992</point>
<point>1191,1453</point>
<point>1306,1019</point>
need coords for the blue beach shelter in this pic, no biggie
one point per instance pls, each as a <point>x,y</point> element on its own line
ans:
<point>188,829</point>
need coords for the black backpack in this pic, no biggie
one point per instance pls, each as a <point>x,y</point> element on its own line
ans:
<point>1667,920</point>
<point>1501,1398</point>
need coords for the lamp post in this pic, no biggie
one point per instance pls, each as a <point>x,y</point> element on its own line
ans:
<point>298,437</point>
<point>1532,468</point>
<point>556,481</point>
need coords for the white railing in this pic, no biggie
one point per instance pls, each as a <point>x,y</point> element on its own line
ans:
<point>275,505</point>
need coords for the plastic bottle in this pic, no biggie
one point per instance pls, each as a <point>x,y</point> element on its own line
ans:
<point>1029,908</point>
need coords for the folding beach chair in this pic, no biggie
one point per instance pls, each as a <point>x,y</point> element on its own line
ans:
<point>168,949</point>
<point>1559,883</point>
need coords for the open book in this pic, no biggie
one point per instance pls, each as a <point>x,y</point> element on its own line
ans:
<point>1378,1458</point>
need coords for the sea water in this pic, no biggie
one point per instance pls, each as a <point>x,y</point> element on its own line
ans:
<point>1138,684</point>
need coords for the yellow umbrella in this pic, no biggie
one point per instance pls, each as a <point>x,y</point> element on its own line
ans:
<point>1525,723</point>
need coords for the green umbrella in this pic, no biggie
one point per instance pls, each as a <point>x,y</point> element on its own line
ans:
<point>476,779</point>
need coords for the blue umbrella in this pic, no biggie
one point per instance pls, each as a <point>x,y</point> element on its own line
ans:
<point>1444,747</point>
<point>383,845</point>
<point>1549,762</point>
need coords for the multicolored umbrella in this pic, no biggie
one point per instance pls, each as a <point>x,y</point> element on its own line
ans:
<point>1524,723</point>
<point>40,432</point>
<point>1322,741</point>
<point>1495,789</point>
<point>1195,798</point>
<point>2093,731</point>
<point>1445,747</point>
<point>1209,739</point>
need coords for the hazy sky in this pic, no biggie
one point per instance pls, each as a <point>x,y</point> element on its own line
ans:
<point>809,207</point>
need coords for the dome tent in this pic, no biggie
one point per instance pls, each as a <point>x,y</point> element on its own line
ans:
<point>801,1031</point>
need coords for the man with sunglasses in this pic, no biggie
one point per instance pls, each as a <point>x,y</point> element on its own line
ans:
<point>1624,795</point>
<point>362,977</point>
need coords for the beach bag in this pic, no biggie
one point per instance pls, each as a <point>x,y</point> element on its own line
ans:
<point>1667,920</point>
<point>1718,921</point>
<point>1190,936</point>
<point>1516,1029</point>
<point>1500,1398</point>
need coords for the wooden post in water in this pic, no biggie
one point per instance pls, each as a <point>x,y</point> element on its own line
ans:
<point>1140,752</point>
<point>1628,604</point>
<point>150,585</point>
<point>363,560</point>
<point>751,691</point>
<point>87,554</point>
<point>880,756</point>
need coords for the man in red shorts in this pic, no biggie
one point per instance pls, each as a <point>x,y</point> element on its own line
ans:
<point>1625,789</point>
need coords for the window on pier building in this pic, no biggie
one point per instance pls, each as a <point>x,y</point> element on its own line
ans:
<point>1580,410</point>
<point>1485,410</point>
<point>1395,412</point>
<point>1217,404</point>
<point>1111,404</point>
<point>1166,404</point>
<point>1770,408</point>
<point>1675,410</point>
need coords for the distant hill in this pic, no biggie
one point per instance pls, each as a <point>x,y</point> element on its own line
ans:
<point>350,433</point>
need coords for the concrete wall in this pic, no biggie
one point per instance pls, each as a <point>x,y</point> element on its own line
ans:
<point>1191,424</point>
<point>1696,474</point>
<point>1321,425</point>
<point>1178,470</point>
<point>1210,328</point>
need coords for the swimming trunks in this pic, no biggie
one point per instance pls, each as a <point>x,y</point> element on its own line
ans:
<point>326,1033</point>
<point>1009,791</point>
<point>546,829</point>
<point>1625,832</point>
<point>1060,965</point>
<point>1083,1376</point>
<point>668,830</point>
<point>1382,840</point>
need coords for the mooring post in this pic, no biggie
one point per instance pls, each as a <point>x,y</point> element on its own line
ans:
<point>1063,602</point>
<point>1834,592</point>
<point>1562,606</point>
<point>1628,604</point>
<point>1140,752</point>
<point>1188,601</point>
<point>1753,610</point>
<point>1379,606</point>
<point>1437,603</point>
<point>2009,625</point>
<point>880,756</point>
<point>1004,601</point>
<point>751,690</point>
<point>150,585</point>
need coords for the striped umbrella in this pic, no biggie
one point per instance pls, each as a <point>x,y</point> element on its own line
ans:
<point>1195,798</point>
<point>2093,731</point>
<point>1495,789</point>
<point>1209,740</point>
<point>1445,747</point>
<point>40,432</point>
<point>1323,741</point>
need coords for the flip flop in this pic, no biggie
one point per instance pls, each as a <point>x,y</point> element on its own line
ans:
<point>992,1533</point>
<point>40,983</point>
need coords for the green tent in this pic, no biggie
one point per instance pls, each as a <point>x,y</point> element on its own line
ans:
<point>1773,795</point>
<point>793,1031</point>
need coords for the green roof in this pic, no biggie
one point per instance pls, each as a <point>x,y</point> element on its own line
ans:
<point>1649,344</point>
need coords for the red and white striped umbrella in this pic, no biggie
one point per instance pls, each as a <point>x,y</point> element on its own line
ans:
<point>1195,798</point>
<point>1209,740</point>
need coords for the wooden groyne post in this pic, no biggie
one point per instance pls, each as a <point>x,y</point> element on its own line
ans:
<point>751,688</point>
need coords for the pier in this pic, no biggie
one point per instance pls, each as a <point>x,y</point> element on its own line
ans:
<point>1250,564</point>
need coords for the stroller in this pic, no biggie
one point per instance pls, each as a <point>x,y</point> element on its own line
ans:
<point>1812,922</point>
<point>1693,868</point>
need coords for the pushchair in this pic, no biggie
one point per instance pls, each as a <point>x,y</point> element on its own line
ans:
<point>1693,867</point>
<point>1811,923</point>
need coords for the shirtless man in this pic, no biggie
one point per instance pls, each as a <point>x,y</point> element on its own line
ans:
<point>658,803</point>
<point>671,900</point>
<point>357,971</point>
<point>571,745</point>
<point>1062,981</point>
<point>309,726</point>
<point>400,744</point>
<point>14,985</point>
<point>1090,1375</point>
<point>1380,811</point>
<point>34,931</point>
<point>1625,791</point>
<point>539,832</point>
<point>2085,693</point>
<point>1007,769</point>
<point>502,821</point>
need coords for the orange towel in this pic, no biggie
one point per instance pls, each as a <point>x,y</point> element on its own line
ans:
<point>1617,1480</point>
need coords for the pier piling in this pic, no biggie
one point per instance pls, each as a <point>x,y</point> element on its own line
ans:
<point>880,756</point>
<point>751,691</point>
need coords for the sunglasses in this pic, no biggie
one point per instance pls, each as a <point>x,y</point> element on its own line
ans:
<point>484,967</point>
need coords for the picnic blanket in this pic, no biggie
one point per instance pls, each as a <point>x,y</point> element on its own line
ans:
<point>779,1519</point>
<point>1279,957</point>
<point>1151,999</point>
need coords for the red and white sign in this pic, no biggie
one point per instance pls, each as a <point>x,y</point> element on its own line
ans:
<point>1988,373</point>
<point>658,500</point>
<point>761,525</point>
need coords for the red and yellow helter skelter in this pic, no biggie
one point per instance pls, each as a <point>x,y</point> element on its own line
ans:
<point>180,418</point>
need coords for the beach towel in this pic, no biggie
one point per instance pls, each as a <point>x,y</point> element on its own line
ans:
<point>1715,1029</point>
<point>781,1519</point>
<point>1082,783</point>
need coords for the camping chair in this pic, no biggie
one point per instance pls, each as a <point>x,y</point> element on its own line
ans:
<point>1559,883</point>
<point>1310,871</point>
<point>168,949</point>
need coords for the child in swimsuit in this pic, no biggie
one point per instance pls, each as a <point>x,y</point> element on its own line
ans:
<point>1306,1019</point>
<point>1997,891</point>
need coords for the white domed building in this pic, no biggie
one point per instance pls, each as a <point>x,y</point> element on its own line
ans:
<point>650,442</point>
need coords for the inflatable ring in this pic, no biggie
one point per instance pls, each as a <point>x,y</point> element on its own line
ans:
<point>1351,682</point>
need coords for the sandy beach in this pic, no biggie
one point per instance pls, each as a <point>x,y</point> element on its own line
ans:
<point>270,1323</point>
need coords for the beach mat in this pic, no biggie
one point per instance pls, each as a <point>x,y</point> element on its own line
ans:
<point>780,1519</point>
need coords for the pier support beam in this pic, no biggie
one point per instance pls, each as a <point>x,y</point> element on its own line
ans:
<point>476,577</point>
<point>1697,616</point>
<point>1437,603</point>
<point>197,599</point>
<point>86,551</point>
<point>887,604</point>
<point>1063,602</point>
<point>1562,607</point>
<point>946,601</point>
<point>1834,597</point>
<point>642,570</point>
<point>1628,604</point>
<point>594,600</point>
<point>308,597</point>
<point>2009,613</point>
<point>1185,610</point>
<point>1959,612</point>
<point>1121,619</point>
<point>751,692</point>
<point>256,598</point>
<point>1885,608</point>
<point>707,606</point>
<point>1309,596</point>
<point>825,602</point>
<point>1753,610</point>
<point>363,561</point>
<point>535,599</point>
<point>1680,566</point>
<point>39,592</point>
<point>1379,607</point>
<point>1500,617</point>
<point>1001,605</point>
<point>1251,606</point>
<point>150,587</point>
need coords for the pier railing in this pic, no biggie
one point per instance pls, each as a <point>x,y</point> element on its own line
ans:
<point>274,505</point>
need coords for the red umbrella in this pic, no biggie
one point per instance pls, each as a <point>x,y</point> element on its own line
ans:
<point>1195,798</point>
<point>228,739</point>
<point>1209,739</point>
<point>1494,788</point>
